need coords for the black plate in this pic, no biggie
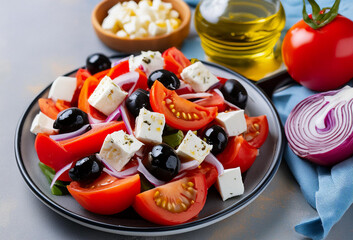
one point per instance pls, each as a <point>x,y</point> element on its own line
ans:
<point>128,222</point>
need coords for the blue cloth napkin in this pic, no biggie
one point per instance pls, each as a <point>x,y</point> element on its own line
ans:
<point>328,190</point>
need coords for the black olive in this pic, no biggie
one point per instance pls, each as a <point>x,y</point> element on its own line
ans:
<point>217,137</point>
<point>70,120</point>
<point>137,100</point>
<point>86,169</point>
<point>162,162</point>
<point>167,78</point>
<point>97,62</point>
<point>235,93</point>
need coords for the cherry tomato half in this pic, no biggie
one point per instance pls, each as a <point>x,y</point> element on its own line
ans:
<point>58,154</point>
<point>214,101</point>
<point>209,171</point>
<point>179,112</point>
<point>175,61</point>
<point>238,153</point>
<point>320,59</point>
<point>257,130</point>
<point>106,195</point>
<point>173,203</point>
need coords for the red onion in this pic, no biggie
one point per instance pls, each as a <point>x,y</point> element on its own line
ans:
<point>93,120</point>
<point>141,168</point>
<point>179,176</point>
<point>59,173</point>
<point>217,85</point>
<point>211,159</point>
<point>119,61</point>
<point>64,136</point>
<point>113,172</point>
<point>231,105</point>
<point>184,88</point>
<point>125,117</point>
<point>115,115</point>
<point>189,165</point>
<point>196,95</point>
<point>320,127</point>
<point>130,77</point>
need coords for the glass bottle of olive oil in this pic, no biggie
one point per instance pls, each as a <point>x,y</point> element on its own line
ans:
<point>242,34</point>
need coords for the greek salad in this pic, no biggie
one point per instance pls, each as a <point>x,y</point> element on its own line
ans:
<point>153,131</point>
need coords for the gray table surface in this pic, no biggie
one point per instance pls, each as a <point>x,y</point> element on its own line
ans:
<point>40,40</point>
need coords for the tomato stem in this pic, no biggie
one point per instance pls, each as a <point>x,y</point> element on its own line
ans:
<point>320,17</point>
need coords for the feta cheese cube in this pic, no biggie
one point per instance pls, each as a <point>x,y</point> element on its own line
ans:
<point>132,26</point>
<point>155,29</point>
<point>107,96</point>
<point>118,148</point>
<point>193,148</point>
<point>230,183</point>
<point>149,126</point>
<point>110,23</point>
<point>150,61</point>
<point>199,77</point>
<point>173,14</point>
<point>233,122</point>
<point>43,124</point>
<point>63,88</point>
<point>122,33</point>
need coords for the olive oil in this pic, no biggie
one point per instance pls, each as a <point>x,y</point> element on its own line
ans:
<point>242,34</point>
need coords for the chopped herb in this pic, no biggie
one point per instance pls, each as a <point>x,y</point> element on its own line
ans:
<point>146,60</point>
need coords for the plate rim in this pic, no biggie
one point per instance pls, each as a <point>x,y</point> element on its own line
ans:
<point>158,230</point>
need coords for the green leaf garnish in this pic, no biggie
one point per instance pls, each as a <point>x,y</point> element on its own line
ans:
<point>59,187</point>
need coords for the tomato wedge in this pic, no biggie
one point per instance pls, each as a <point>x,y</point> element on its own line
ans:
<point>209,171</point>
<point>91,141</point>
<point>81,76</point>
<point>119,69</point>
<point>47,106</point>
<point>173,203</point>
<point>52,154</point>
<point>106,195</point>
<point>61,105</point>
<point>58,154</point>
<point>179,112</point>
<point>214,101</point>
<point>101,75</point>
<point>175,61</point>
<point>87,89</point>
<point>238,153</point>
<point>257,130</point>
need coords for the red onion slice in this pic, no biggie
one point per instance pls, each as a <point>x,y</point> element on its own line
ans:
<point>93,120</point>
<point>141,168</point>
<point>115,115</point>
<point>113,172</point>
<point>130,77</point>
<point>64,136</point>
<point>231,105</point>
<point>125,117</point>
<point>179,176</point>
<point>189,165</point>
<point>320,127</point>
<point>195,95</point>
<point>211,159</point>
<point>184,88</point>
<point>119,61</point>
<point>59,173</point>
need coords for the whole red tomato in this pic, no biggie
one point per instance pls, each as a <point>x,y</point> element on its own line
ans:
<point>320,59</point>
